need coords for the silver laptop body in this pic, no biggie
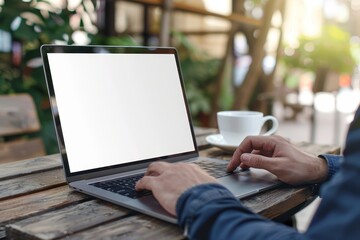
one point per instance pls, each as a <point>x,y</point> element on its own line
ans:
<point>116,110</point>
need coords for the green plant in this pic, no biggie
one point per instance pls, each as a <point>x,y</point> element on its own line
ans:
<point>28,25</point>
<point>330,51</point>
<point>199,72</point>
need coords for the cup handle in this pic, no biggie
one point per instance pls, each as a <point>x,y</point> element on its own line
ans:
<point>274,127</point>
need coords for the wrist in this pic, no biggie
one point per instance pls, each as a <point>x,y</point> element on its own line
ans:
<point>322,169</point>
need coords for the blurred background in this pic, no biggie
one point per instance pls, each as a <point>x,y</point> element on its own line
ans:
<point>298,60</point>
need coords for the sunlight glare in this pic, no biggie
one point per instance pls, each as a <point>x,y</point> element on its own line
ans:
<point>221,7</point>
<point>347,101</point>
<point>324,102</point>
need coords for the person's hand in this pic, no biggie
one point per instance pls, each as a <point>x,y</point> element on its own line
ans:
<point>168,181</point>
<point>281,158</point>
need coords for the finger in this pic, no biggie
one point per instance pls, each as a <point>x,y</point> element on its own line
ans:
<point>262,152</point>
<point>246,146</point>
<point>259,144</point>
<point>259,161</point>
<point>145,183</point>
<point>256,152</point>
<point>235,160</point>
<point>156,168</point>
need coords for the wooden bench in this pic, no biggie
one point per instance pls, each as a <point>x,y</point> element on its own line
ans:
<point>18,119</point>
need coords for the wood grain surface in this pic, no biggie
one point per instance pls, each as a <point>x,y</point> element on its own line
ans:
<point>65,221</point>
<point>36,203</point>
<point>31,183</point>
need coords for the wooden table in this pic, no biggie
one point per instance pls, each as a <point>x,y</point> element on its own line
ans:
<point>36,203</point>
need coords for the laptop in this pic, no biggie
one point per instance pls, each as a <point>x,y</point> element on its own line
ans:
<point>118,109</point>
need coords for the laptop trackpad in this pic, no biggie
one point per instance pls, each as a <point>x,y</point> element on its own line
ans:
<point>152,207</point>
<point>249,182</point>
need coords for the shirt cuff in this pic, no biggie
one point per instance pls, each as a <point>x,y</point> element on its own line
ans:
<point>333,162</point>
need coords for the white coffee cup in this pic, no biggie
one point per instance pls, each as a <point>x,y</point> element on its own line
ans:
<point>234,126</point>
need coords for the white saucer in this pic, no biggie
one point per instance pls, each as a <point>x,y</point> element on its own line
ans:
<point>217,140</point>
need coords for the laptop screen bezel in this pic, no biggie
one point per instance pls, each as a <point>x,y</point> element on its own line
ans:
<point>94,49</point>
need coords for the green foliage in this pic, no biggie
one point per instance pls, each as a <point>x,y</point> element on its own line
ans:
<point>199,72</point>
<point>355,50</point>
<point>114,41</point>
<point>31,24</point>
<point>331,51</point>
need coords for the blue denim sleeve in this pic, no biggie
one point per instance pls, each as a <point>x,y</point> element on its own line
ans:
<point>338,215</point>
<point>210,211</point>
<point>333,162</point>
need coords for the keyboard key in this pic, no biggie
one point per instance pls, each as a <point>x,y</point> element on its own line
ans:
<point>215,169</point>
<point>123,186</point>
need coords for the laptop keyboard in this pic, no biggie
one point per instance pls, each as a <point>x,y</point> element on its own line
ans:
<point>215,169</point>
<point>126,185</point>
<point>123,186</point>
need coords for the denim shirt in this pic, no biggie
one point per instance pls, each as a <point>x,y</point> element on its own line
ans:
<point>210,211</point>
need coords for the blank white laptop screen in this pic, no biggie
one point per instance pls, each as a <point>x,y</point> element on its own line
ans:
<point>119,108</point>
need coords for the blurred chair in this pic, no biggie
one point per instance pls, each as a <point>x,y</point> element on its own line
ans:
<point>18,120</point>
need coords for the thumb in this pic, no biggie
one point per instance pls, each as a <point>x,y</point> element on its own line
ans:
<point>257,161</point>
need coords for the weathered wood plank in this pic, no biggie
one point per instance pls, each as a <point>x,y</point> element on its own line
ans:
<point>134,227</point>
<point>17,115</point>
<point>21,149</point>
<point>55,157</point>
<point>25,206</point>
<point>65,221</point>
<point>274,203</point>
<point>31,183</point>
<point>215,152</point>
<point>269,204</point>
<point>28,166</point>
